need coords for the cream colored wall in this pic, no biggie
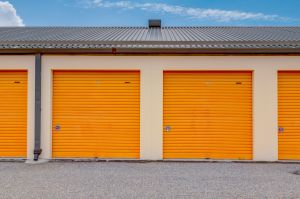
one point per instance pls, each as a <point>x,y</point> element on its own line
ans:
<point>264,93</point>
<point>13,62</point>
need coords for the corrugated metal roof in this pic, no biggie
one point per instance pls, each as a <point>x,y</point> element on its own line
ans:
<point>150,38</point>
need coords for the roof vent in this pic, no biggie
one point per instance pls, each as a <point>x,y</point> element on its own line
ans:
<point>154,23</point>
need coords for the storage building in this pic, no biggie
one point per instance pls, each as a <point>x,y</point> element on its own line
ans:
<point>150,93</point>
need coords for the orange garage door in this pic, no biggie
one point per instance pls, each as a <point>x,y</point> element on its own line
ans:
<point>96,114</point>
<point>208,115</point>
<point>13,113</point>
<point>289,115</point>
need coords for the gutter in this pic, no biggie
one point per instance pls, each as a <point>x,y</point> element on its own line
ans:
<point>149,51</point>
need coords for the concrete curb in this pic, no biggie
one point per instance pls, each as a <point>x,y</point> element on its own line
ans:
<point>40,161</point>
<point>21,160</point>
<point>174,161</point>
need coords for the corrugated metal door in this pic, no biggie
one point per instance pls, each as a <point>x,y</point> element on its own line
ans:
<point>13,113</point>
<point>96,114</point>
<point>208,115</point>
<point>289,115</point>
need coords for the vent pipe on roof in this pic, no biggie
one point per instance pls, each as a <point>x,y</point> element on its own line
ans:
<point>154,23</point>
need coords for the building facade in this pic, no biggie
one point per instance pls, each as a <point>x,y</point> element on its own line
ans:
<point>228,94</point>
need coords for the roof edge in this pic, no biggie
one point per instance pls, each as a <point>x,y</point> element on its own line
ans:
<point>180,51</point>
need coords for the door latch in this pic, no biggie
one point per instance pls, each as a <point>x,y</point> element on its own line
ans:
<point>57,127</point>
<point>280,129</point>
<point>168,128</point>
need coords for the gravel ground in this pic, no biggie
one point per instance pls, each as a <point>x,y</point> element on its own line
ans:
<point>148,180</point>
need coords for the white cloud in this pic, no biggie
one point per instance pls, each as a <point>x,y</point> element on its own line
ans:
<point>8,15</point>
<point>196,13</point>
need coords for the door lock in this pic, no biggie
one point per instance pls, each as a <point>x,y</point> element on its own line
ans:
<point>168,128</point>
<point>57,127</point>
<point>280,129</point>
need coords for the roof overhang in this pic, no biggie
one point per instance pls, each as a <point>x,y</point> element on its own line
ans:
<point>123,51</point>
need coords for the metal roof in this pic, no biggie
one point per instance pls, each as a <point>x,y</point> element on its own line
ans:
<point>144,39</point>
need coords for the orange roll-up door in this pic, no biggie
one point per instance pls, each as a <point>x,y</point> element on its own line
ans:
<point>96,114</point>
<point>289,115</point>
<point>13,114</point>
<point>207,115</point>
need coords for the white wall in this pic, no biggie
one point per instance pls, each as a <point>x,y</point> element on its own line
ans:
<point>13,62</point>
<point>265,142</point>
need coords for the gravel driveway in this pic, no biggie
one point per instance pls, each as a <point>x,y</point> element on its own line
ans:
<point>148,180</point>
